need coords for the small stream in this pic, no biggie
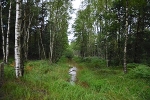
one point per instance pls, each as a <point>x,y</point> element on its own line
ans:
<point>73,73</point>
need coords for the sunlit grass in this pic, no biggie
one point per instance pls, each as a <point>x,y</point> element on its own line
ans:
<point>43,81</point>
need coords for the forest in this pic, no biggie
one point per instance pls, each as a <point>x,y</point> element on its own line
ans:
<point>110,50</point>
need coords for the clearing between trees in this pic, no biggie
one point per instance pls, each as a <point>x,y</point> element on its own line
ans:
<point>43,81</point>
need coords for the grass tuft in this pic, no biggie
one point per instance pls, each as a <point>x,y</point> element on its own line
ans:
<point>44,81</point>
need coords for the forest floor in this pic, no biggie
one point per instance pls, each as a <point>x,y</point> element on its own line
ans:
<point>43,81</point>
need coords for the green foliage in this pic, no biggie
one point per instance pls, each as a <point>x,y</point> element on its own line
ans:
<point>141,71</point>
<point>77,59</point>
<point>145,93</point>
<point>132,65</point>
<point>69,53</point>
<point>97,25</point>
<point>94,62</point>
<point>51,82</point>
<point>63,59</point>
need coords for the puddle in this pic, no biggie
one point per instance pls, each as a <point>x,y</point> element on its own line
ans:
<point>73,73</point>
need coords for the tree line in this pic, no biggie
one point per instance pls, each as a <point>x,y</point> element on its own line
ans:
<point>115,30</point>
<point>33,29</point>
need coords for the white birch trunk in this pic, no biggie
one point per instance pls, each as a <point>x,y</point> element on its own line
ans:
<point>43,50</point>
<point>107,61</point>
<point>51,46</point>
<point>28,36</point>
<point>3,38</point>
<point>17,39</point>
<point>8,32</point>
<point>126,39</point>
<point>41,32</point>
<point>51,35</point>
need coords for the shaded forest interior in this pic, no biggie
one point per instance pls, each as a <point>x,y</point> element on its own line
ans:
<point>111,50</point>
<point>115,31</point>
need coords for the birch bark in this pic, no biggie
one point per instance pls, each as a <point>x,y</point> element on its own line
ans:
<point>28,36</point>
<point>107,61</point>
<point>8,32</point>
<point>51,46</point>
<point>126,39</point>
<point>3,38</point>
<point>17,39</point>
<point>52,32</point>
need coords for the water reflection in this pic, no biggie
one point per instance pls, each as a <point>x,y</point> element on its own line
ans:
<point>73,73</point>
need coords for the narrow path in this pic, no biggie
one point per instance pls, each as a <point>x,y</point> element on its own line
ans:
<point>79,69</point>
<point>73,63</point>
<point>73,74</point>
<point>73,70</point>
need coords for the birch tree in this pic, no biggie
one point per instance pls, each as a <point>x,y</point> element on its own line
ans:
<point>42,28</point>
<point>126,38</point>
<point>2,29</point>
<point>57,30</point>
<point>18,67</point>
<point>8,31</point>
<point>106,36</point>
<point>28,16</point>
<point>52,25</point>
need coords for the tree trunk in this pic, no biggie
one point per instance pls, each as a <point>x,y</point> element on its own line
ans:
<point>8,32</point>
<point>51,45</point>
<point>3,37</point>
<point>106,38</point>
<point>1,73</point>
<point>41,34</point>
<point>39,48</point>
<point>138,38</point>
<point>126,38</point>
<point>26,35</point>
<point>119,57</point>
<point>18,68</point>
<point>106,48</point>
<point>42,46</point>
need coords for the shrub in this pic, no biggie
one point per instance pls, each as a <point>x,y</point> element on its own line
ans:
<point>142,71</point>
<point>77,59</point>
<point>63,59</point>
<point>132,65</point>
<point>69,54</point>
<point>94,62</point>
<point>97,62</point>
<point>145,93</point>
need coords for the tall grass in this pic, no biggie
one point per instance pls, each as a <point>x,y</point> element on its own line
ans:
<point>43,81</point>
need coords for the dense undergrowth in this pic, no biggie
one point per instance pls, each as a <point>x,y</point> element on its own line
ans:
<point>43,81</point>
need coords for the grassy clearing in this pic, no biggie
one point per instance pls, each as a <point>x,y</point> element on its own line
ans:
<point>43,81</point>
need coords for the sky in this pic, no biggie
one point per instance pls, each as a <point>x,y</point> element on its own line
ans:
<point>76,5</point>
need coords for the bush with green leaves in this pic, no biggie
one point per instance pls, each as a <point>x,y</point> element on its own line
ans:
<point>141,71</point>
<point>69,53</point>
<point>94,62</point>
<point>62,59</point>
<point>132,65</point>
